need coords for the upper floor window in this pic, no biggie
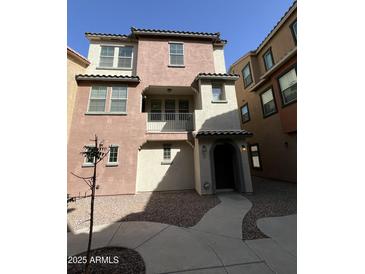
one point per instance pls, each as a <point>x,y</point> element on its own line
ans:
<point>106,56</point>
<point>217,92</point>
<point>268,103</point>
<point>245,114</point>
<point>176,54</point>
<point>97,99</point>
<point>288,86</point>
<point>293,28</point>
<point>125,57</point>
<point>268,59</point>
<point>246,75</point>
<point>118,100</point>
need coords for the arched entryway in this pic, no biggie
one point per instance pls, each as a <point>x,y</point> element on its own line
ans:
<point>226,167</point>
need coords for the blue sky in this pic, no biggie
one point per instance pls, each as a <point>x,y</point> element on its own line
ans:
<point>243,23</point>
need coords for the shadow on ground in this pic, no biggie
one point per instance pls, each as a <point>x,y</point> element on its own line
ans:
<point>269,199</point>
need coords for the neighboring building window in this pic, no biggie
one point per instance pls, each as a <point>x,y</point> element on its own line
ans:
<point>288,86</point>
<point>245,114</point>
<point>293,28</point>
<point>176,54</point>
<point>217,92</point>
<point>125,57</point>
<point>118,100</point>
<point>106,56</point>
<point>97,99</point>
<point>246,75</point>
<point>255,156</point>
<point>268,59</point>
<point>155,110</point>
<point>167,152</point>
<point>113,155</point>
<point>170,109</point>
<point>268,102</point>
<point>183,109</point>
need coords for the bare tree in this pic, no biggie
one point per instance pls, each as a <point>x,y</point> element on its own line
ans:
<point>96,152</point>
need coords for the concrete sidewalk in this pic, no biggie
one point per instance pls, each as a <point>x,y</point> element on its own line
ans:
<point>214,245</point>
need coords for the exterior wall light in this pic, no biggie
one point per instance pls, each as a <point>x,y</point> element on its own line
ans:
<point>243,148</point>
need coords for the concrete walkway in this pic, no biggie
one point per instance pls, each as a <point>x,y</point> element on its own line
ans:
<point>214,245</point>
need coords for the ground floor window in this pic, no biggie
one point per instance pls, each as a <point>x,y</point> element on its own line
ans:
<point>113,154</point>
<point>167,152</point>
<point>255,156</point>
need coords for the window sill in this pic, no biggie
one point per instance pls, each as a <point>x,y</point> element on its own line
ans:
<point>112,164</point>
<point>166,163</point>
<point>106,113</point>
<point>112,68</point>
<point>87,165</point>
<point>176,66</point>
<point>219,101</point>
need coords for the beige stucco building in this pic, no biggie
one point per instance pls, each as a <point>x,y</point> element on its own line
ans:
<point>163,103</point>
<point>76,64</point>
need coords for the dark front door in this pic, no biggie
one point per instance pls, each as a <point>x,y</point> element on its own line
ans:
<point>224,166</point>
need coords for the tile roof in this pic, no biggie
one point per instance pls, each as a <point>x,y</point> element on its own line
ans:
<point>222,132</point>
<point>98,77</point>
<point>160,31</point>
<point>105,34</point>
<point>226,76</point>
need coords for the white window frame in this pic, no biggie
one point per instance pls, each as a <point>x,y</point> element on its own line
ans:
<point>257,151</point>
<point>100,56</point>
<point>111,99</point>
<point>223,94</point>
<point>109,163</point>
<point>88,104</point>
<point>183,54</point>
<point>132,57</point>
<point>85,163</point>
<point>116,57</point>
<point>166,161</point>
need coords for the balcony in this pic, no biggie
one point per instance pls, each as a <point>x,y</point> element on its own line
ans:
<point>169,122</point>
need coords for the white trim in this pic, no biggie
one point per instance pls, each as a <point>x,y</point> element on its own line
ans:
<point>183,54</point>
<point>132,57</point>
<point>110,100</point>
<point>88,104</point>
<point>113,163</point>
<point>116,57</point>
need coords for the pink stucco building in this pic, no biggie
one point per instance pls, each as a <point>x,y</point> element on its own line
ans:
<point>164,104</point>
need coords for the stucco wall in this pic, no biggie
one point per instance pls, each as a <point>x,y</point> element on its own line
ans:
<point>204,163</point>
<point>153,62</point>
<point>127,131</point>
<point>73,67</point>
<point>94,58</point>
<point>209,115</point>
<point>219,63</point>
<point>154,176</point>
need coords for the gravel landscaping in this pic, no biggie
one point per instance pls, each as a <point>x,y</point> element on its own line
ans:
<point>117,260</point>
<point>270,199</point>
<point>182,208</point>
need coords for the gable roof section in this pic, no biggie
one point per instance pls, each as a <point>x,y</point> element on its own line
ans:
<point>78,56</point>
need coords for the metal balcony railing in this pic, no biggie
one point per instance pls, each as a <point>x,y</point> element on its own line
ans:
<point>169,122</point>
